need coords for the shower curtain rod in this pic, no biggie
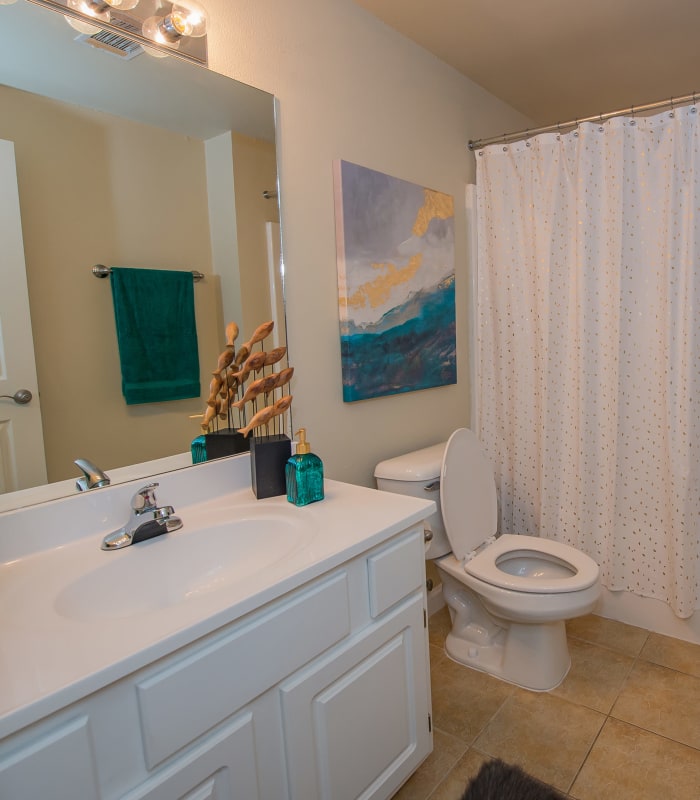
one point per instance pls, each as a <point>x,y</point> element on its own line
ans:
<point>507,138</point>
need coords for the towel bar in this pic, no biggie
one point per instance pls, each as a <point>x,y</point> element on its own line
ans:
<point>100,271</point>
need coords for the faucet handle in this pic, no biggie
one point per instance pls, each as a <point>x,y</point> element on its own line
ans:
<point>145,498</point>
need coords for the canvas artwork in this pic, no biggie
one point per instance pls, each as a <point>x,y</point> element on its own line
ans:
<point>396,274</point>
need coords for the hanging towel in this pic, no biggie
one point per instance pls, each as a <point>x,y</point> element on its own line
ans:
<point>156,334</point>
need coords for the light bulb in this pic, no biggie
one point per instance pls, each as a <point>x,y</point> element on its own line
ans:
<point>160,31</point>
<point>192,17</point>
<point>151,51</point>
<point>123,5</point>
<point>99,9</point>
<point>80,26</point>
<point>95,9</point>
<point>7,2</point>
<point>188,19</point>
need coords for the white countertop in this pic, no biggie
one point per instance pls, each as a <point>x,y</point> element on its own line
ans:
<point>50,658</point>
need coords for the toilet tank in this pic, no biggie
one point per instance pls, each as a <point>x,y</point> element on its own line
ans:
<point>418,474</point>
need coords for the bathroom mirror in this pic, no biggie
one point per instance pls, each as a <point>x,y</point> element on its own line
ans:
<point>176,170</point>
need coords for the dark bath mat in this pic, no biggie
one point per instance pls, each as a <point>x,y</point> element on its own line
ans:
<point>497,780</point>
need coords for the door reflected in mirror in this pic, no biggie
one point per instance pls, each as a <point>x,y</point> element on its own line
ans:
<point>136,162</point>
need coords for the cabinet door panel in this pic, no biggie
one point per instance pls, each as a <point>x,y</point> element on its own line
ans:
<point>223,767</point>
<point>356,722</point>
<point>59,764</point>
<point>191,694</point>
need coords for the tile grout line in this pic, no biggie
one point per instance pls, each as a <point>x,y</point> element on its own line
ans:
<point>608,714</point>
<point>635,657</point>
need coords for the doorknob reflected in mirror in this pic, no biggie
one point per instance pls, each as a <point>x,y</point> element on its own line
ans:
<point>21,396</point>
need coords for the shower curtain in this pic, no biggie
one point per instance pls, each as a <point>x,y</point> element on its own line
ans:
<point>588,344</point>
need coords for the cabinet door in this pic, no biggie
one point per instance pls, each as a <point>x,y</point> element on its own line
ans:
<point>356,722</point>
<point>222,767</point>
<point>58,764</point>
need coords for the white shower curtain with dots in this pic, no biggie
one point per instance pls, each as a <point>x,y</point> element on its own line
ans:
<point>588,345</point>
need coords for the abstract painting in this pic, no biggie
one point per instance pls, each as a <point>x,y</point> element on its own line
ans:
<point>396,275</point>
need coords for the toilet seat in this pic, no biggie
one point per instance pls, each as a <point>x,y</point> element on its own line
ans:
<point>484,566</point>
<point>469,508</point>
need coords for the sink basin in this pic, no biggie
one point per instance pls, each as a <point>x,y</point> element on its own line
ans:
<point>181,567</point>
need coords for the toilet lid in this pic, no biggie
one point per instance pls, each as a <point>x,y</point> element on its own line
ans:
<point>467,493</point>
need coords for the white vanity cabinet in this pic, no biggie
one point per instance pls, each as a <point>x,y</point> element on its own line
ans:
<point>321,693</point>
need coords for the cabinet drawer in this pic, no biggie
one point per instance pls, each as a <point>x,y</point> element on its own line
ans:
<point>395,571</point>
<point>195,693</point>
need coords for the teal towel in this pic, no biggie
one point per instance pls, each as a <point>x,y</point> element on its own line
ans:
<point>156,334</point>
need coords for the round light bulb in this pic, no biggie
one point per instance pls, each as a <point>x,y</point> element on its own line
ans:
<point>180,20</point>
<point>123,5</point>
<point>96,9</point>
<point>191,16</point>
<point>151,51</point>
<point>160,31</point>
<point>82,27</point>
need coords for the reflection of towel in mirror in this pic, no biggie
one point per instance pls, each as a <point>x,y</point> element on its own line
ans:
<point>156,334</point>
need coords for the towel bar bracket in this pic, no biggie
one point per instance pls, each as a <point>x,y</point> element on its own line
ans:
<point>100,271</point>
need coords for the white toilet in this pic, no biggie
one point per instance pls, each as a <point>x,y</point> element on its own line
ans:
<point>508,596</point>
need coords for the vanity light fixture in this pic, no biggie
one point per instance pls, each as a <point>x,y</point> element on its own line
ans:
<point>161,27</point>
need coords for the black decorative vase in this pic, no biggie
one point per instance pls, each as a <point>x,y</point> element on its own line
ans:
<point>226,442</point>
<point>268,459</point>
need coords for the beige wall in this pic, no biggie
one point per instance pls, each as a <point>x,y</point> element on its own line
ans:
<point>348,87</point>
<point>95,189</point>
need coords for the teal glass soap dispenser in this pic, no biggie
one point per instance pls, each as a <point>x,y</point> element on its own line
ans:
<point>304,474</point>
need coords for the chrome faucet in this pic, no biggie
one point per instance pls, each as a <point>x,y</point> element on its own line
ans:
<point>147,520</point>
<point>93,477</point>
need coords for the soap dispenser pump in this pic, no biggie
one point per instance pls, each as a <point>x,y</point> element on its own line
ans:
<point>304,474</point>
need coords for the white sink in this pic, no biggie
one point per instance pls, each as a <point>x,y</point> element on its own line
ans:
<point>181,567</point>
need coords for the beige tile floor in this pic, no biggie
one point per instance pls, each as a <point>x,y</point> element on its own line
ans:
<point>624,724</point>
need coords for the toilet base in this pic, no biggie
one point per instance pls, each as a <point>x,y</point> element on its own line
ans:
<point>533,656</point>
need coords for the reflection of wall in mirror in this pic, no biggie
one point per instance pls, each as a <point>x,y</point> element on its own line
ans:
<point>254,170</point>
<point>99,189</point>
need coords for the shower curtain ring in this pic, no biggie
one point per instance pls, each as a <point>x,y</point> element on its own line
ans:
<point>672,114</point>
<point>632,121</point>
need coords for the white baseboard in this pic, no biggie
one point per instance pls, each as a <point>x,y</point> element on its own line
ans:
<point>645,612</point>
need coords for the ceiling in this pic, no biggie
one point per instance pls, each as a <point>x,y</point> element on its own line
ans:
<point>559,60</point>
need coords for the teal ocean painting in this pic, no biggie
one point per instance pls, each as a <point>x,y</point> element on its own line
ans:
<point>396,275</point>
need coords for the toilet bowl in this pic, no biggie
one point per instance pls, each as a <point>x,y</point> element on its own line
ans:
<point>508,595</point>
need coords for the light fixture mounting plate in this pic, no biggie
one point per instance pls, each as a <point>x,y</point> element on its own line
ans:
<point>128,24</point>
